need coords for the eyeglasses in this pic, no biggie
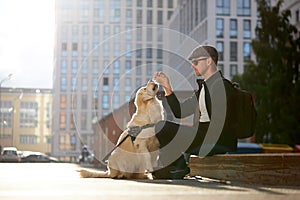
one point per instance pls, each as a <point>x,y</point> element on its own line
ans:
<point>195,62</point>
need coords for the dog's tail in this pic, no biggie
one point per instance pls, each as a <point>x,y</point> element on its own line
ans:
<point>92,174</point>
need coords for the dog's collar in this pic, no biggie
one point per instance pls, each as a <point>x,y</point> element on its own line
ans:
<point>135,130</point>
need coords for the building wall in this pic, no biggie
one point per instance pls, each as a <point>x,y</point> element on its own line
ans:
<point>104,50</point>
<point>210,22</point>
<point>26,119</point>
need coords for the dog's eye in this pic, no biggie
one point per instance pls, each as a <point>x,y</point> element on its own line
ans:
<point>144,89</point>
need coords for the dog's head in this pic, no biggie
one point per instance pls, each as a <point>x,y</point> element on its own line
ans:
<point>146,93</point>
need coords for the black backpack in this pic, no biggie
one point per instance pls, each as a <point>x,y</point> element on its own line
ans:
<point>245,112</point>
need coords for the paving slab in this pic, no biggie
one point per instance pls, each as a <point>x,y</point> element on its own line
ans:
<point>61,181</point>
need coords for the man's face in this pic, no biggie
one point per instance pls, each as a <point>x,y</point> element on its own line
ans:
<point>199,65</point>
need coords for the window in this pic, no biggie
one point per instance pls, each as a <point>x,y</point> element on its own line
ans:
<point>128,84</point>
<point>128,15</point>
<point>62,121</point>
<point>115,11</point>
<point>139,51</point>
<point>139,34</point>
<point>72,122</point>
<point>63,68</point>
<point>83,10</point>
<point>223,7</point>
<point>138,82</point>
<point>28,139</point>
<point>84,84</point>
<point>220,48</point>
<point>149,3</point>
<point>247,51</point>
<point>116,101</point>
<point>84,101</point>
<point>149,52</point>
<point>74,66</point>
<point>74,49</point>
<point>105,84</point>
<point>149,16</point>
<point>106,67</point>
<point>128,3</point>
<point>105,101</point>
<point>63,101</point>
<point>233,70</point>
<point>149,68</point>
<point>63,83</point>
<point>247,29</point>
<point>116,67</point>
<point>170,3</point>
<point>85,33</point>
<point>99,10</point>
<point>85,67</point>
<point>64,49</point>
<point>220,28</point>
<point>139,3</point>
<point>149,34</point>
<point>160,17</point>
<point>95,67</point>
<point>128,50</point>
<point>28,114</point>
<point>73,83</point>
<point>83,120</point>
<point>139,16</point>
<point>138,68</point>
<point>67,141</point>
<point>159,3</point>
<point>116,83</point>
<point>243,7</point>
<point>7,111</point>
<point>75,34</point>
<point>233,28</point>
<point>233,51</point>
<point>117,49</point>
<point>159,53</point>
<point>95,49</point>
<point>85,49</point>
<point>95,84</point>
<point>106,49</point>
<point>127,66</point>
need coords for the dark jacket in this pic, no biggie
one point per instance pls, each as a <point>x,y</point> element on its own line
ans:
<point>219,103</point>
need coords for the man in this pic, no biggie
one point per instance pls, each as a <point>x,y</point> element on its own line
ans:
<point>212,132</point>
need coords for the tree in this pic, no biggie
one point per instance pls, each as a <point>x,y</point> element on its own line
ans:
<point>274,76</point>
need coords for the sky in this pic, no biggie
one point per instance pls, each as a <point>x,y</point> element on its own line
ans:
<point>27,30</point>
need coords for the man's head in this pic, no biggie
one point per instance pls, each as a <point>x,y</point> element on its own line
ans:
<point>203,57</point>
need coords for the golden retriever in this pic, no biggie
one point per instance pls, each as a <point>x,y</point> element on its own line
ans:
<point>136,159</point>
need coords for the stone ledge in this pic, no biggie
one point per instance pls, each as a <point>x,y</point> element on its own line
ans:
<point>265,168</point>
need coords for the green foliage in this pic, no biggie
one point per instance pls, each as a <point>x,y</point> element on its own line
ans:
<point>274,76</point>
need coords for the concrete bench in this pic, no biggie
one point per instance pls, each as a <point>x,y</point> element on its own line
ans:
<point>258,169</point>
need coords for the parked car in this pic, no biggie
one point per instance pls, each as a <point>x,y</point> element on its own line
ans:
<point>37,157</point>
<point>9,154</point>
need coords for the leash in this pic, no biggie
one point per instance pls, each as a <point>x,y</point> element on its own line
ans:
<point>133,132</point>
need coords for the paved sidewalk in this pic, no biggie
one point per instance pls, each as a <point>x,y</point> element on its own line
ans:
<point>61,181</point>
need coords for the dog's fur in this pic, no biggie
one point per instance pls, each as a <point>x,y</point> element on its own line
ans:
<point>135,160</point>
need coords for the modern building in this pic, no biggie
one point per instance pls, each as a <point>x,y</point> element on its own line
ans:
<point>26,119</point>
<point>229,25</point>
<point>104,50</point>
